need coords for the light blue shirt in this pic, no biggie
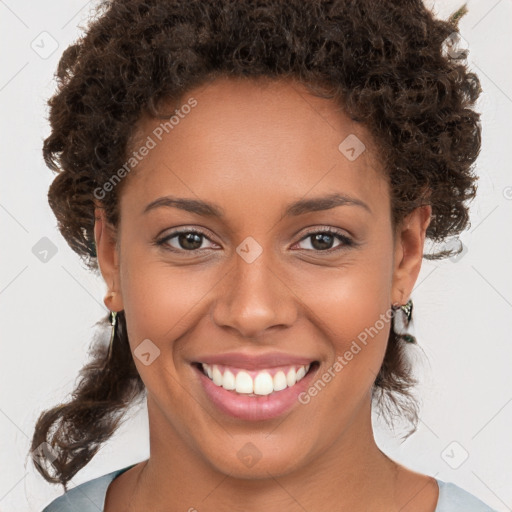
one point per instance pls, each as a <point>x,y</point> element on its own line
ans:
<point>90,497</point>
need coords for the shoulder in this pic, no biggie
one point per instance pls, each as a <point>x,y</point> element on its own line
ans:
<point>454,499</point>
<point>86,497</point>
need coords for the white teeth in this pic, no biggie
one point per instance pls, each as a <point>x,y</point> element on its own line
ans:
<point>291,377</point>
<point>279,381</point>
<point>243,382</point>
<point>263,383</point>
<point>228,381</point>
<point>217,376</point>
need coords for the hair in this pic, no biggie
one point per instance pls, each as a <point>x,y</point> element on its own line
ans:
<point>384,62</point>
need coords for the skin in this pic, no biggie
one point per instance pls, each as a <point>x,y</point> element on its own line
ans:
<point>253,147</point>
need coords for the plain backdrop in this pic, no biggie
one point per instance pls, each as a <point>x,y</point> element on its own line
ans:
<point>463,307</point>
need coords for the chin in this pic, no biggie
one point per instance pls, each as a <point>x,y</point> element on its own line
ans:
<point>258,466</point>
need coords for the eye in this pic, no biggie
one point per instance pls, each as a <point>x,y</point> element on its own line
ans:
<point>191,240</point>
<point>188,240</point>
<point>322,240</point>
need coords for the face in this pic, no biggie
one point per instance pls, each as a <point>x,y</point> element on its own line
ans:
<point>275,273</point>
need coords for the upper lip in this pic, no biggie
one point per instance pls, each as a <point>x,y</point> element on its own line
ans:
<point>255,361</point>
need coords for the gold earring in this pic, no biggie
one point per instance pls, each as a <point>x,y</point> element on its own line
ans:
<point>113,321</point>
<point>402,320</point>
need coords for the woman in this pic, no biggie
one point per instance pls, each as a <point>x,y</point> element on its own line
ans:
<point>255,181</point>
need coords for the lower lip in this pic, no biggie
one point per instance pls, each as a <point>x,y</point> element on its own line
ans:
<point>254,408</point>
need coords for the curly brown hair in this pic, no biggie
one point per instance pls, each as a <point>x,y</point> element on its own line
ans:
<point>384,62</point>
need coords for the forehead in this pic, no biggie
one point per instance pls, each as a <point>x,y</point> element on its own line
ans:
<point>244,139</point>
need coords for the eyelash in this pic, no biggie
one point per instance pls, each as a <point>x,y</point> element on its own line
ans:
<point>347,242</point>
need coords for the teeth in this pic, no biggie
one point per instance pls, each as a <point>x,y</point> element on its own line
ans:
<point>291,377</point>
<point>263,383</point>
<point>217,376</point>
<point>228,381</point>
<point>243,383</point>
<point>280,381</point>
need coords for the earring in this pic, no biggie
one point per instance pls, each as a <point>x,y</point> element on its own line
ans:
<point>402,321</point>
<point>113,321</point>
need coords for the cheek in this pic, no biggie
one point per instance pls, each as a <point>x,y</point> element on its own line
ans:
<point>351,298</point>
<point>352,307</point>
<point>163,302</point>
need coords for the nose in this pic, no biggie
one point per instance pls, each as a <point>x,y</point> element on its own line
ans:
<point>254,298</point>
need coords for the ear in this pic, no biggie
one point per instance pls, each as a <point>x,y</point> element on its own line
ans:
<point>108,259</point>
<point>409,244</point>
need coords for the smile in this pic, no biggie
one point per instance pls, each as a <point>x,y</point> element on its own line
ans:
<point>254,388</point>
<point>263,382</point>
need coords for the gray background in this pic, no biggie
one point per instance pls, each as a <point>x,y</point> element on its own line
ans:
<point>48,308</point>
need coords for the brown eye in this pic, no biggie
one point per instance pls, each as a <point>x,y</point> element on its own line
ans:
<point>324,240</point>
<point>188,240</point>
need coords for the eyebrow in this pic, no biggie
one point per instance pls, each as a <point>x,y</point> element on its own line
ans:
<point>300,207</point>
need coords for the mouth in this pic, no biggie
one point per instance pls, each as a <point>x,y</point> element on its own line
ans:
<point>263,382</point>
<point>254,394</point>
